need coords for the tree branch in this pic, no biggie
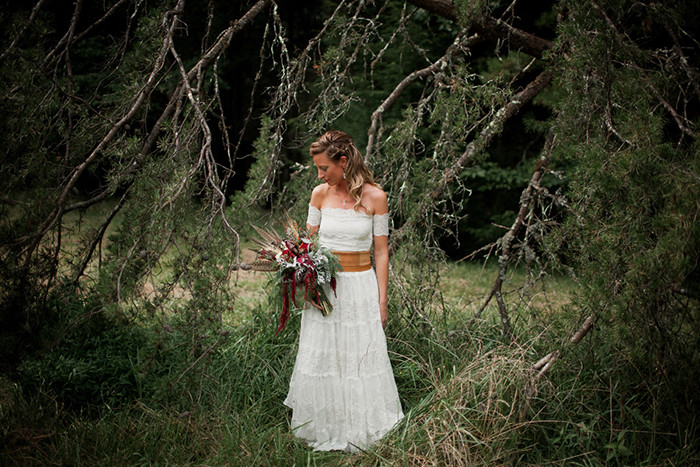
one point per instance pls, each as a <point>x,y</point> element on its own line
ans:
<point>492,129</point>
<point>98,238</point>
<point>101,20</point>
<point>225,37</point>
<point>692,75</point>
<point>407,298</point>
<point>623,37</point>
<point>678,118</point>
<point>170,17</point>
<point>25,26</point>
<point>407,81</point>
<point>490,28</point>
<point>140,99</point>
<point>527,200</point>
<point>543,365</point>
<point>71,38</point>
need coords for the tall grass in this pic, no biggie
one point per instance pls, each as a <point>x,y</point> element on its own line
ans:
<point>462,392</point>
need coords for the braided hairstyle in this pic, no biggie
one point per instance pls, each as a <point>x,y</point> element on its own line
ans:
<point>337,144</point>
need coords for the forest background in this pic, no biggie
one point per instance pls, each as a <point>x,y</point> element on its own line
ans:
<point>541,162</point>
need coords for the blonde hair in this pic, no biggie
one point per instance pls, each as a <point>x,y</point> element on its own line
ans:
<point>337,144</point>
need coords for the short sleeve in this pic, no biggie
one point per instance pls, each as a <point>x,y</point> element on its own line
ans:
<point>380,224</point>
<point>314,217</point>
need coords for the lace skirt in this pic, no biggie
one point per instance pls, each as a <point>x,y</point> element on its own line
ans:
<point>342,390</point>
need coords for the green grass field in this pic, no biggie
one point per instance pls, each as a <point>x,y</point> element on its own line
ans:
<point>132,395</point>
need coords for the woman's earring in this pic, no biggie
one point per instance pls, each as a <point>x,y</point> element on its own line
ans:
<point>343,175</point>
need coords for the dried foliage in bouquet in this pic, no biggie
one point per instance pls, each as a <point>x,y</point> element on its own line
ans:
<point>296,261</point>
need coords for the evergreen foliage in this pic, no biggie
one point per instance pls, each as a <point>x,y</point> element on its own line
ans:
<point>632,236</point>
<point>140,140</point>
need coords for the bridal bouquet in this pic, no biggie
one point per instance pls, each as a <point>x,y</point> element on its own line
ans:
<point>297,262</point>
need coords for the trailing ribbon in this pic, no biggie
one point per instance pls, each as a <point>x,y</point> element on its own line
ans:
<point>285,308</point>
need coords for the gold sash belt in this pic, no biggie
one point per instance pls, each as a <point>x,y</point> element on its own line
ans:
<point>354,261</point>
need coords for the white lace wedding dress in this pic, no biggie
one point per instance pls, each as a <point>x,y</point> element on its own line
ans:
<point>342,390</point>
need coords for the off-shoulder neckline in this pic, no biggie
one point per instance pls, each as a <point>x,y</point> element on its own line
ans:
<point>346,210</point>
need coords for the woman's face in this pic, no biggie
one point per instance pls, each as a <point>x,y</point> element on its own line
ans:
<point>329,171</point>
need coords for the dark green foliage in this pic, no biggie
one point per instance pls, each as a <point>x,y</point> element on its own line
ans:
<point>97,362</point>
<point>632,235</point>
<point>128,339</point>
<point>467,11</point>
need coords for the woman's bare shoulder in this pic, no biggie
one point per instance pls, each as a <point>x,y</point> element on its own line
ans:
<point>376,198</point>
<point>318,195</point>
<point>373,192</point>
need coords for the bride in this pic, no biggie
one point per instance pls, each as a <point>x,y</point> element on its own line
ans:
<point>342,391</point>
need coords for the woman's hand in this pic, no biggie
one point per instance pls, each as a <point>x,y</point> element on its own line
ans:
<point>384,312</point>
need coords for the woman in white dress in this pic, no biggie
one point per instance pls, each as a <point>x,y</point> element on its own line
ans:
<point>342,391</point>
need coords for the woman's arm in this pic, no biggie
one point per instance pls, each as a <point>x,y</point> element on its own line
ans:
<point>381,263</point>
<point>381,255</point>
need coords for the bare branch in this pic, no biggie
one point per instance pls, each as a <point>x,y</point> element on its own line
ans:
<point>401,27</point>
<point>444,8</point>
<point>12,202</point>
<point>503,312</point>
<point>69,69</point>
<point>692,75</point>
<point>225,37</point>
<point>104,194</point>
<point>494,127</point>
<point>405,83</point>
<point>169,20</point>
<point>490,28</point>
<point>69,39</point>
<point>407,298</point>
<point>678,118</point>
<point>527,200</point>
<point>101,20</point>
<point>543,365</point>
<point>29,22</point>
<point>97,239</point>
<point>583,330</point>
<point>253,90</point>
